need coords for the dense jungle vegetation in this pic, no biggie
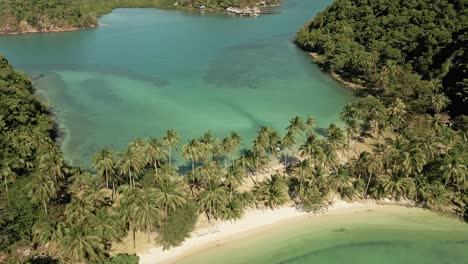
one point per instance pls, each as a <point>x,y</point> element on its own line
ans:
<point>413,149</point>
<point>370,42</point>
<point>17,16</point>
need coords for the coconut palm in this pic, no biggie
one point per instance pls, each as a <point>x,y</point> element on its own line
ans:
<point>439,101</point>
<point>309,125</point>
<point>171,138</point>
<point>234,208</point>
<point>340,181</point>
<point>130,164</point>
<point>236,141</point>
<point>207,145</point>
<point>303,173</point>
<point>435,195</point>
<point>295,125</point>
<point>273,192</point>
<point>148,214</point>
<point>128,208</point>
<point>233,178</point>
<point>192,151</point>
<point>309,147</point>
<point>155,152</point>
<point>213,198</point>
<point>397,111</point>
<point>225,148</point>
<point>454,169</point>
<point>287,142</point>
<point>399,187</point>
<point>413,161</point>
<point>7,176</point>
<point>349,114</point>
<point>52,165</point>
<point>335,137</point>
<point>80,245</point>
<point>170,194</point>
<point>42,189</point>
<point>107,225</point>
<point>373,165</point>
<point>104,164</point>
<point>78,211</point>
<point>139,147</point>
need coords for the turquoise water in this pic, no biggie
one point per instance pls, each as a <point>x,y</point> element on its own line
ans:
<point>146,70</point>
<point>389,235</point>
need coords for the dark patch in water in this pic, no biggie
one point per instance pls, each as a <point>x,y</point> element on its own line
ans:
<point>99,68</point>
<point>387,244</point>
<point>340,230</point>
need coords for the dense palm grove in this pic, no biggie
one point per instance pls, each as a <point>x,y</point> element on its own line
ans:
<point>370,41</point>
<point>396,143</point>
<point>73,216</point>
<point>21,16</point>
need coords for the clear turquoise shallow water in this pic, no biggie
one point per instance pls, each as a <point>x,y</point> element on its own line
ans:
<point>384,235</point>
<point>146,70</point>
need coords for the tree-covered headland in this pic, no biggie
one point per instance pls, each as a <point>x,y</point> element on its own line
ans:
<point>415,147</point>
<point>413,50</point>
<point>23,16</point>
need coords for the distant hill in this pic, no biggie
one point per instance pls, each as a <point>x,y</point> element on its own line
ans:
<point>28,16</point>
<point>361,39</point>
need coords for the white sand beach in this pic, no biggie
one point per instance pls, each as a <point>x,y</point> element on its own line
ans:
<point>225,230</point>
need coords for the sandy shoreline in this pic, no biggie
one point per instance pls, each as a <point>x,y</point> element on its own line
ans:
<point>225,230</point>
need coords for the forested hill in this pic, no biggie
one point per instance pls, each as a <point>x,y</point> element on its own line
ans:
<point>365,41</point>
<point>23,16</point>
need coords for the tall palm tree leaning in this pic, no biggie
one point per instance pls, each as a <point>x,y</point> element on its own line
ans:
<point>156,153</point>
<point>130,164</point>
<point>104,164</point>
<point>171,138</point>
<point>192,151</point>
<point>42,189</point>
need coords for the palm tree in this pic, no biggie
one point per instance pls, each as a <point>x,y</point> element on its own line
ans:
<point>287,142</point>
<point>335,137</point>
<point>303,173</point>
<point>373,165</point>
<point>207,145</point>
<point>7,175</point>
<point>104,164</point>
<point>351,130</point>
<point>128,208</point>
<point>52,164</point>
<point>48,232</point>
<point>233,178</point>
<point>349,114</point>
<point>397,112</point>
<point>235,144</point>
<point>340,181</point>
<point>148,215</point>
<point>310,124</point>
<point>413,161</point>
<point>308,147</point>
<point>171,138</point>
<point>212,198</point>
<point>225,148</point>
<point>81,245</point>
<point>171,194</point>
<point>78,211</point>
<point>295,125</point>
<point>42,190</point>
<point>399,187</point>
<point>192,151</point>
<point>139,147</point>
<point>258,149</point>
<point>439,101</point>
<point>455,170</point>
<point>273,192</point>
<point>130,164</point>
<point>156,152</point>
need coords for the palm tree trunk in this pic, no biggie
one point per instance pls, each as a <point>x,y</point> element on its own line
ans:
<point>6,190</point>
<point>225,163</point>
<point>134,245</point>
<point>193,167</point>
<point>113,189</point>
<point>286,160</point>
<point>149,233</point>
<point>170,155</point>
<point>367,186</point>
<point>45,206</point>
<point>107,180</point>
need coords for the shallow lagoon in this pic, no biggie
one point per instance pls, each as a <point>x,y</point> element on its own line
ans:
<point>146,70</point>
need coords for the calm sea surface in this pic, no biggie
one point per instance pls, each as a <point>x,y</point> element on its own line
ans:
<point>146,70</point>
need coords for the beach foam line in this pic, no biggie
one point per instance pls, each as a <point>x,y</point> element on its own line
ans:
<point>224,230</point>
